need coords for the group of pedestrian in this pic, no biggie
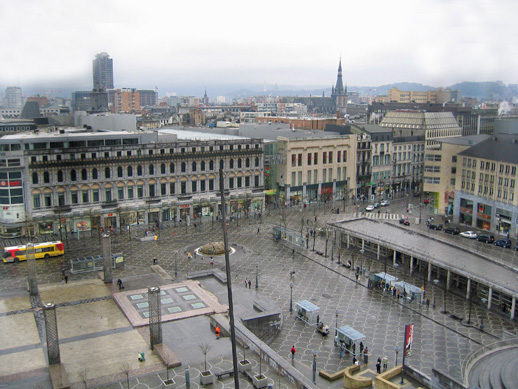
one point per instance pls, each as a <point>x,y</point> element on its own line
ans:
<point>248,283</point>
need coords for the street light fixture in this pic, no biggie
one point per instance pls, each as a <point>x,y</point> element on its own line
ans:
<point>314,366</point>
<point>397,349</point>
<point>175,263</point>
<point>484,300</point>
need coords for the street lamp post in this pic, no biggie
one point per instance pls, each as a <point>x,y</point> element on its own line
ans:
<point>436,282</point>
<point>484,300</point>
<point>397,349</point>
<point>314,366</point>
<point>175,263</point>
<point>256,277</point>
<point>291,296</point>
<point>336,322</point>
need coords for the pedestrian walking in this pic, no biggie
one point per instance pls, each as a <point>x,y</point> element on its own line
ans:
<point>293,351</point>
<point>217,331</point>
<point>361,347</point>
<point>66,279</point>
<point>246,282</point>
<point>249,284</point>
<point>378,366</point>
<point>119,282</point>
<point>258,231</point>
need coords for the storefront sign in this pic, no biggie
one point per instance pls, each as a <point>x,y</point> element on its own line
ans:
<point>483,216</point>
<point>10,183</point>
<point>185,206</point>
<point>466,210</point>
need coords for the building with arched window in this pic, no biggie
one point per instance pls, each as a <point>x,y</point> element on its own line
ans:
<point>73,180</point>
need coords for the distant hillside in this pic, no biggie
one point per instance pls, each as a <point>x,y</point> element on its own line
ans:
<point>483,90</point>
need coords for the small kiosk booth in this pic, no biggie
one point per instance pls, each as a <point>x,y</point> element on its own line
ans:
<point>348,338</point>
<point>409,291</point>
<point>307,312</point>
<point>382,280</point>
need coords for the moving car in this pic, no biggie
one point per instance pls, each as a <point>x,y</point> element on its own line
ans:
<point>452,230</point>
<point>405,222</point>
<point>505,243</point>
<point>469,234</point>
<point>486,238</point>
<point>376,205</point>
<point>370,208</point>
<point>385,203</point>
<point>435,227</point>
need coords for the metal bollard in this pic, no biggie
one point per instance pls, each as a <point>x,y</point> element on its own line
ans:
<point>187,378</point>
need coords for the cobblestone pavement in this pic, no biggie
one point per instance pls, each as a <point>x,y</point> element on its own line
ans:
<point>440,341</point>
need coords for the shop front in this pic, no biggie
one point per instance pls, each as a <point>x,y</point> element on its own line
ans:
<point>45,227</point>
<point>185,210</point>
<point>257,204</point>
<point>466,212</point>
<point>484,216</point>
<point>110,220</point>
<point>326,192</point>
<point>503,221</point>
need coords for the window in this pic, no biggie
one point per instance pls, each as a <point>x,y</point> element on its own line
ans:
<point>151,190</point>
<point>315,158</point>
<point>256,161</point>
<point>108,194</point>
<point>73,197</point>
<point>202,186</point>
<point>163,189</point>
<point>171,167</point>
<point>239,182</point>
<point>194,186</point>
<point>324,157</point>
<point>239,163</point>
<point>247,162</point>
<point>84,196</point>
<point>120,193</point>
<point>231,182</point>
<point>221,164</point>
<point>211,165</point>
<point>119,172</point>
<point>162,168</point>
<point>140,191</point>
<point>61,198</point>
<point>139,170</point>
<point>84,175</point>
<point>299,160</point>
<point>256,181</point>
<point>130,192</point>
<point>151,168</point>
<point>172,186</point>
<point>183,187</point>
<point>202,166</point>
<point>130,171</point>
<point>330,157</point>
<point>231,163</point>
<point>95,195</point>
<point>60,176</point>
<point>194,166</point>
<point>339,156</point>
<point>211,184</point>
<point>48,200</point>
<point>107,172</point>
<point>183,167</point>
<point>95,175</point>
<point>73,176</point>
<point>36,201</point>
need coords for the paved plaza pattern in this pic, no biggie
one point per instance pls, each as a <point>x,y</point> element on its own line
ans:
<point>94,328</point>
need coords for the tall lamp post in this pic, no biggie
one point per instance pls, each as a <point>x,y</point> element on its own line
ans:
<point>436,282</point>
<point>397,349</point>
<point>256,277</point>
<point>484,300</point>
<point>175,263</point>
<point>336,322</point>
<point>291,296</point>
<point>314,366</point>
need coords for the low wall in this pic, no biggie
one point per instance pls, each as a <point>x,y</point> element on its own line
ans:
<point>354,381</point>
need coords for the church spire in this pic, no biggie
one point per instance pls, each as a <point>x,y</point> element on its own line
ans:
<point>339,89</point>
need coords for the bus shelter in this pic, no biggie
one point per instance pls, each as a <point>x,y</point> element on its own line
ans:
<point>293,237</point>
<point>94,263</point>
<point>347,339</point>
<point>382,280</point>
<point>409,291</point>
<point>307,312</point>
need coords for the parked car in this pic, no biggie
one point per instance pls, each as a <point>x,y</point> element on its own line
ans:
<point>385,203</point>
<point>486,238</point>
<point>405,222</point>
<point>376,205</point>
<point>435,227</point>
<point>452,230</point>
<point>505,243</point>
<point>469,234</point>
<point>370,208</point>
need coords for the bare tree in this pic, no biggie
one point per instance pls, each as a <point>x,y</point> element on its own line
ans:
<point>83,377</point>
<point>125,368</point>
<point>204,347</point>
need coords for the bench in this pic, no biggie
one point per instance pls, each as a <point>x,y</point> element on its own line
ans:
<point>333,376</point>
<point>319,252</point>
<point>220,374</point>
<point>167,355</point>
<point>455,317</point>
<point>215,272</point>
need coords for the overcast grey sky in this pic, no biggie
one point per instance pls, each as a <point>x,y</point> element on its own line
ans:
<point>434,42</point>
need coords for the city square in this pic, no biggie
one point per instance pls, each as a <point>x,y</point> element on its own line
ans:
<point>93,328</point>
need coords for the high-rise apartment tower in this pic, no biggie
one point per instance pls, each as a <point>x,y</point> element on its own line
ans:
<point>102,72</point>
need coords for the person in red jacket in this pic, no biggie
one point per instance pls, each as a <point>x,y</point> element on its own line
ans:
<point>293,351</point>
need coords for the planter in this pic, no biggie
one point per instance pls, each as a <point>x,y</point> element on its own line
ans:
<point>207,378</point>
<point>260,381</point>
<point>244,365</point>
<point>168,383</point>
